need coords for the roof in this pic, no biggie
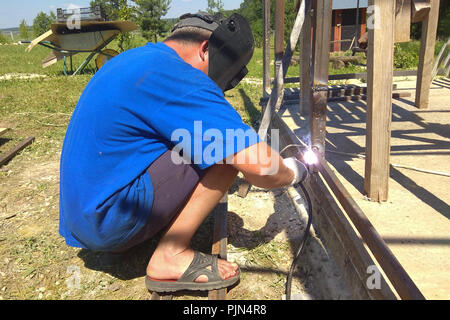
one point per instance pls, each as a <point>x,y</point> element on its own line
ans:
<point>349,4</point>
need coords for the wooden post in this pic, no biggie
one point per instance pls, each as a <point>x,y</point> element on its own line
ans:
<point>321,51</point>
<point>402,21</point>
<point>266,48</point>
<point>220,241</point>
<point>279,31</point>
<point>337,30</point>
<point>279,46</point>
<point>305,62</point>
<point>380,59</point>
<point>426,57</point>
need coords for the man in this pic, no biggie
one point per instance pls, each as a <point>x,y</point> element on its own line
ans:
<point>122,180</point>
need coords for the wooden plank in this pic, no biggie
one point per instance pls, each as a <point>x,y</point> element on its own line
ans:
<point>362,75</point>
<point>402,21</point>
<point>426,56</point>
<point>337,30</point>
<point>3,131</point>
<point>419,10</point>
<point>380,60</point>
<point>220,241</point>
<point>11,153</point>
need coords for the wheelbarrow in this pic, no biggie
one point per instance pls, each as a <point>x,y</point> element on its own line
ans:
<point>92,37</point>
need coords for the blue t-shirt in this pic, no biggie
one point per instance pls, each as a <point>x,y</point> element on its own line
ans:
<point>137,106</point>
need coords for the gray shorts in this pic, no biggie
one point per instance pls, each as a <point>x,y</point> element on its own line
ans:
<point>172,186</point>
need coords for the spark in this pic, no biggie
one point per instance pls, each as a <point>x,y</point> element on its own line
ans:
<point>310,157</point>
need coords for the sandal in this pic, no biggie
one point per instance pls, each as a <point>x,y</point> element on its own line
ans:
<point>198,267</point>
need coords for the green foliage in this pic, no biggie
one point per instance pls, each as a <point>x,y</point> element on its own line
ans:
<point>110,7</point>
<point>252,11</point>
<point>24,30</point>
<point>3,39</point>
<point>214,6</point>
<point>125,13</point>
<point>405,56</point>
<point>149,16</point>
<point>42,23</point>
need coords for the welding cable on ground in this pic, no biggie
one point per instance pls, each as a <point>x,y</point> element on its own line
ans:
<point>302,244</point>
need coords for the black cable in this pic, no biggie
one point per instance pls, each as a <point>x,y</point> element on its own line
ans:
<point>302,245</point>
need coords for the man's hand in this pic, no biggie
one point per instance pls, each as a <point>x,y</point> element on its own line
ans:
<point>299,169</point>
<point>263,167</point>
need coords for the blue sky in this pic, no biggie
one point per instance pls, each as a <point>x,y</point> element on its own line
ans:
<point>13,11</point>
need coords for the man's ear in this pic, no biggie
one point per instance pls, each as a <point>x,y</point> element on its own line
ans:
<point>204,50</point>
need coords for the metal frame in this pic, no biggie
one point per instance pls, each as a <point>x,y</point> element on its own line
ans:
<point>70,53</point>
<point>348,246</point>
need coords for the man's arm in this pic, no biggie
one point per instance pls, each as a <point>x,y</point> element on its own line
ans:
<point>262,166</point>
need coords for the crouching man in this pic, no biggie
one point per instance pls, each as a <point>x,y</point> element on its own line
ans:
<point>127,172</point>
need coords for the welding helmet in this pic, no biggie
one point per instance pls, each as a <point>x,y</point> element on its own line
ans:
<point>230,46</point>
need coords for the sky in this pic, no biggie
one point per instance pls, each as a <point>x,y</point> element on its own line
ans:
<point>13,11</point>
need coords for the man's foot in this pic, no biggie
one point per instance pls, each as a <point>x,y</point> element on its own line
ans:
<point>166,265</point>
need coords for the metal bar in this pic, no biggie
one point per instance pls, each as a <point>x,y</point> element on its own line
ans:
<point>363,75</point>
<point>11,153</point>
<point>276,97</point>
<point>401,281</point>
<point>305,62</point>
<point>266,48</point>
<point>89,58</point>
<point>357,24</point>
<point>321,49</point>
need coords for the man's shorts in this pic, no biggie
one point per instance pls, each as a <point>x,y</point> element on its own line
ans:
<point>173,184</point>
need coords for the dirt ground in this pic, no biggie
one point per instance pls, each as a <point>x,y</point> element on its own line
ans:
<point>414,222</point>
<point>264,230</point>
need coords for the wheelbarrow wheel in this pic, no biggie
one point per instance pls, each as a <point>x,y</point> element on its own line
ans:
<point>104,57</point>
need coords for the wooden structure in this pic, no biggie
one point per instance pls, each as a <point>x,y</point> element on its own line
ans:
<point>333,203</point>
<point>348,24</point>
<point>15,150</point>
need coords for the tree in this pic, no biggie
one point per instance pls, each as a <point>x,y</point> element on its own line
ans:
<point>23,30</point>
<point>252,11</point>
<point>42,22</point>
<point>110,7</point>
<point>125,13</point>
<point>214,6</point>
<point>149,17</point>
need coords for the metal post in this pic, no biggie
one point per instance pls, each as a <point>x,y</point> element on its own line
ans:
<point>321,49</point>
<point>266,47</point>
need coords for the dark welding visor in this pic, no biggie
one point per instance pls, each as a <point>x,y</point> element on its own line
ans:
<point>230,46</point>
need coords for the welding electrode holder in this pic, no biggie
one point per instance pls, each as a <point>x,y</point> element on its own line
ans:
<point>298,167</point>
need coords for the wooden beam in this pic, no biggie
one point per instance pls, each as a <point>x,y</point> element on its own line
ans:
<point>426,56</point>
<point>419,10</point>
<point>220,241</point>
<point>11,153</point>
<point>380,59</point>
<point>3,131</point>
<point>337,30</point>
<point>402,21</point>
